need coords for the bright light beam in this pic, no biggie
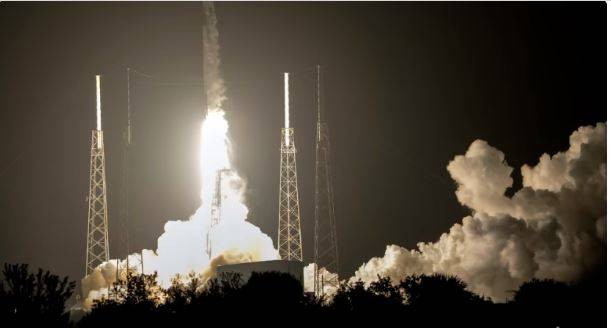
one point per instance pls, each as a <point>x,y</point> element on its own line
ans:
<point>98,103</point>
<point>286,106</point>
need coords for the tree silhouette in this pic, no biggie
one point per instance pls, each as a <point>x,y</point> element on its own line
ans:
<point>546,302</point>
<point>391,294</point>
<point>37,299</point>
<point>357,299</point>
<point>187,301</point>
<point>272,290</point>
<point>27,298</point>
<point>179,295</point>
<point>546,292</point>
<point>439,300</point>
<point>426,300</point>
<point>441,291</point>
<point>131,301</point>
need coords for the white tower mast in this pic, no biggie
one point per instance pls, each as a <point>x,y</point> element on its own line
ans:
<point>289,225</point>
<point>97,217</point>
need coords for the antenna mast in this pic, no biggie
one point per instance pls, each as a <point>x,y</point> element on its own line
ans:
<point>325,234</point>
<point>127,136</point>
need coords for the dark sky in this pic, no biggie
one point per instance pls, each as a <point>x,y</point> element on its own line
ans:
<point>408,87</point>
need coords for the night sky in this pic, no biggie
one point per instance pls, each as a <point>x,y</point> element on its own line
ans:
<point>407,87</point>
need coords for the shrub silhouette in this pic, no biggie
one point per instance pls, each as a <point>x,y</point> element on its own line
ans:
<point>30,299</point>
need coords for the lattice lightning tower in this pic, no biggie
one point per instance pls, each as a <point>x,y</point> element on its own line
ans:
<point>289,225</point>
<point>217,203</point>
<point>325,233</point>
<point>97,218</point>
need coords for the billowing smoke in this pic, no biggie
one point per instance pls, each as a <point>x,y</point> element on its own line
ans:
<point>181,249</point>
<point>554,227</point>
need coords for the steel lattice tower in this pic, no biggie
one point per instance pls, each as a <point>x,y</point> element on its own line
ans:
<point>124,213</point>
<point>97,218</point>
<point>215,215</point>
<point>325,233</point>
<point>289,225</point>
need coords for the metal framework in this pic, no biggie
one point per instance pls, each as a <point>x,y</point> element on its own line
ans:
<point>125,175</point>
<point>289,222</point>
<point>325,233</point>
<point>289,225</point>
<point>97,217</point>
<point>215,215</point>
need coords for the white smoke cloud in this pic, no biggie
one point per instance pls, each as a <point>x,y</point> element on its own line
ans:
<point>554,227</point>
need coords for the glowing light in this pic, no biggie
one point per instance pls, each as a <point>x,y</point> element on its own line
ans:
<point>286,106</point>
<point>214,151</point>
<point>98,103</point>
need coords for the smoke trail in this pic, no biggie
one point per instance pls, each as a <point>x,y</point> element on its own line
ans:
<point>181,247</point>
<point>554,227</point>
<point>213,81</point>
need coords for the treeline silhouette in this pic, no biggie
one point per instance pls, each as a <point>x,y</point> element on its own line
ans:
<point>28,299</point>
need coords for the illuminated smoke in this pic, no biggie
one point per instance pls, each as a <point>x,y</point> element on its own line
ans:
<point>181,247</point>
<point>554,227</point>
<point>215,85</point>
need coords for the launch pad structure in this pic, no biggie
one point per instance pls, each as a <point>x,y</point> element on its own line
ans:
<point>289,218</point>
<point>97,216</point>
